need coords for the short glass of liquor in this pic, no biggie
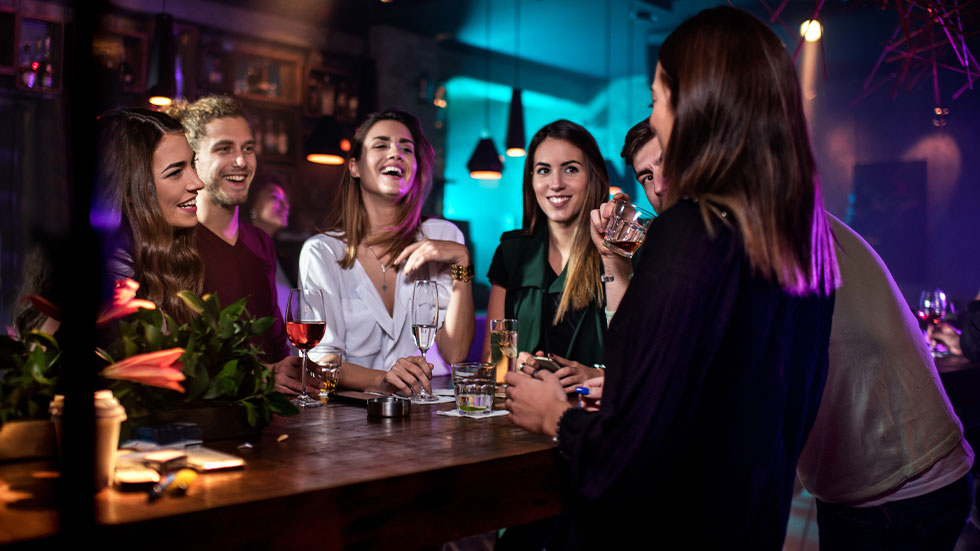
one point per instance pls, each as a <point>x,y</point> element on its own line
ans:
<point>627,228</point>
<point>503,346</point>
<point>305,328</point>
<point>473,387</point>
<point>327,370</point>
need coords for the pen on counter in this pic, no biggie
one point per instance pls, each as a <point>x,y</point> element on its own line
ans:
<point>178,482</point>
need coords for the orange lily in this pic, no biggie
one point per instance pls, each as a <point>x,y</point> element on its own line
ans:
<point>153,368</point>
<point>124,302</point>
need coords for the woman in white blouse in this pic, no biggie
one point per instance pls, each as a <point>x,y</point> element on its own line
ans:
<point>375,247</point>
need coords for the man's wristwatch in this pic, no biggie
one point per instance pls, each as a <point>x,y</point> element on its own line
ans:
<point>460,272</point>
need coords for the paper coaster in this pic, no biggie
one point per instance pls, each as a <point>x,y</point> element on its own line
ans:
<point>455,413</point>
<point>441,400</point>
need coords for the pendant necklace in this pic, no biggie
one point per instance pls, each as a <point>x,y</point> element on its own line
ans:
<point>384,269</point>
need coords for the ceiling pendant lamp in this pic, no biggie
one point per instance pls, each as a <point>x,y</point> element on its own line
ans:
<point>485,163</point>
<point>325,145</point>
<point>515,120</point>
<point>515,126</point>
<point>161,83</point>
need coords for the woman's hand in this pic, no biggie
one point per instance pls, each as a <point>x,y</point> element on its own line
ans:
<point>408,376</point>
<point>535,403</point>
<point>432,250</point>
<point>594,398</point>
<point>573,374</point>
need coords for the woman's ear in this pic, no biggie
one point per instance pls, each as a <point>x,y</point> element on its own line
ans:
<point>353,168</point>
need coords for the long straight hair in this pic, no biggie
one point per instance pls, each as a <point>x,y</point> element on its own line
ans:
<point>165,258</point>
<point>582,284</point>
<point>349,216</point>
<point>740,143</point>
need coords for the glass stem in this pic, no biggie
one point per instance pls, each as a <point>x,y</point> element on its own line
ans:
<point>302,378</point>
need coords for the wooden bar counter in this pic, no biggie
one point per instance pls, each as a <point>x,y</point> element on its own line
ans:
<point>339,481</point>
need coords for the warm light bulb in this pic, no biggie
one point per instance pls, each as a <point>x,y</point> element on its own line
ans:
<point>811,30</point>
<point>485,175</point>
<point>613,190</point>
<point>345,144</point>
<point>324,159</point>
<point>516,152</point>
<point>161,101</point>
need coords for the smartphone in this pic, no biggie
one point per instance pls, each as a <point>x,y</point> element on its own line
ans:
<point>545,362</point>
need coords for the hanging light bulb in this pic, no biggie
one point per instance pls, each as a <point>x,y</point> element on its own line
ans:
<point>515,120</point>
<point>326,144</point>
<point>161,83</point>
<point>485,163</point>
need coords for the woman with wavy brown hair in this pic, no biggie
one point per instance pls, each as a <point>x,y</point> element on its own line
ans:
<point>546,274</point>
<point>146,197</point>
<point>718,352</point>
<point>376,246</point>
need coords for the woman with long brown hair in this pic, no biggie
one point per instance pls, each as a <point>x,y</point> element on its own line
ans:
<point>717,354</point>
<point>547,274</point>
<point>376,246</point>
<point>146,198</point>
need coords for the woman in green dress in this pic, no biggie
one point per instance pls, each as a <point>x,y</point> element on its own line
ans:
<point>547,274</point>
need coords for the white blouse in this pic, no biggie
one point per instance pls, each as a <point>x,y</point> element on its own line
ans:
<point>357,320</point>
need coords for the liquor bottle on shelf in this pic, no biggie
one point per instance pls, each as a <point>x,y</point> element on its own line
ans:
<point>47,81</point>
<point>256,124</point>
<point>28,72</point>
<point>269,137</point>
<point>340,107</point>
<point>327,96</point>
<point>282,139</point>
<point>313,92</point>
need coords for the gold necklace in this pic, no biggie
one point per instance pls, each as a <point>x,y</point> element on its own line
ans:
<point>384,269</point>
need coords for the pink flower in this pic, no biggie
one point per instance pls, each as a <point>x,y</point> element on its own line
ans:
<point>124,302</point>
<point>45,307</point>
<point>153,368</point>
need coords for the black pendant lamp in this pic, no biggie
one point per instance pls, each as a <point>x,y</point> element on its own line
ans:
<point>161,83</point>
<point>325,145</point>
<point>515,121</point>
<point>485,163</point>
<point>515,126</point>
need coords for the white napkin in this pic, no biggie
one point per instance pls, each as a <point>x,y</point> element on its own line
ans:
<point>455,413</point>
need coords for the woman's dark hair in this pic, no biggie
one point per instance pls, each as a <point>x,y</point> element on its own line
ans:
<point>349,216</point>
<point>165,259</point>
<point>739,142</point>
<point>582,284</point>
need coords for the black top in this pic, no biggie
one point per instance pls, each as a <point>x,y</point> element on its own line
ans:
<point>970,337</point>
<point>714,379</point>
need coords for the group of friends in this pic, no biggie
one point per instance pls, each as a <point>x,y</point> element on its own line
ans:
<point>707,359</point>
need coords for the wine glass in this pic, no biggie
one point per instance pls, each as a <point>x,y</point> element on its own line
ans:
<point>932,310</point>
<point>305,328</point>
<point>425,322</point>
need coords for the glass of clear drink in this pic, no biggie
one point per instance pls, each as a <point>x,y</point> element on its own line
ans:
<point>503,346</point>
<point>473,387</point>
<point>627,228</point>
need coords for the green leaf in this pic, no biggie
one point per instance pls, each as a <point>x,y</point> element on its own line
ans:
<point>250,412</point>
<point>261,325</point>
<point>104,355</point>
<point>192,301</point>
<point>154,337</point>
<point>235,310</point>
<point>281,405</point>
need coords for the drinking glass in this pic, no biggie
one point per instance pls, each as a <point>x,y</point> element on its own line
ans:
<point>503,346</point>
<point>932,310</point>
<point>425,322</point>
<point>328,370</point>
<point>473,387</point>
<point>627,228</point>
<point>305,328</point>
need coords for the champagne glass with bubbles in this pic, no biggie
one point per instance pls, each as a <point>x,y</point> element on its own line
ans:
<point>425,322</point>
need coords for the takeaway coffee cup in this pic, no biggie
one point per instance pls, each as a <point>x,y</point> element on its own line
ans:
<point>109,415</point>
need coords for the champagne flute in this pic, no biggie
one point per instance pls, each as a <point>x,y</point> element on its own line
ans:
<point>932,310</point>
<point>305,328</point>
<point>425,322</point>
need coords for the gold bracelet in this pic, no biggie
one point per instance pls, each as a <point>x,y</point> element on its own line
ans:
<point>461,273</point>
